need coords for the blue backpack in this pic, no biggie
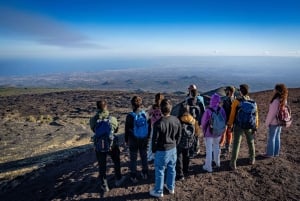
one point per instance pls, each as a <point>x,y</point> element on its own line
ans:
<point>103,137</point>
<point>246,114</point>
<point>217,122</point>
<point>140,128</point>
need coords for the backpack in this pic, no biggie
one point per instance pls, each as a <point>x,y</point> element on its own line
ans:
<point>196,108</point>
<point>140,125</point>
<point>103,137</point>
<point>246,114</point>
<point>217,122</point>
<point>155,115</point>
<point>284,116</point>
<point>187,136</point>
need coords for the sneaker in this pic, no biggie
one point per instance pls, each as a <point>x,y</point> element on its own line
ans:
<point>252,161</point>
<point>169,190</point>
<point>144,176</point>
<point>155,194</point>
<point>120,181</point>
<point>206,169</point>
<point>133,180</point>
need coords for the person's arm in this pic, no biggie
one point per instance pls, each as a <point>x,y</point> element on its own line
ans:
<point>234,106</point>
<point>273,107</point>
<point>128,127</point>
<point>197,128</point>
<point>93,121</point>
<point>155,136</point>
<point>257,124</point>
<point>114,124</point>
<point>178,134</point>
<point>204,121</point>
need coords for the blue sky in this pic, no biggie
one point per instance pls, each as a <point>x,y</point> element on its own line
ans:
<point>143,28</point>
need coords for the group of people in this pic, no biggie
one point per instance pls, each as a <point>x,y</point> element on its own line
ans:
<point>170,140</point>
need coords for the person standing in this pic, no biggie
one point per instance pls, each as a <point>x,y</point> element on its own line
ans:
<point>113,149</point>
<point>154,115</point>
<point>136,137</point>
<point>226,139</point>
<point>239,129</point>
<point>196,108</point>
<point>190,129</point>
<point>212,141</point>
<point>278,100</point>
<point>166,136</point>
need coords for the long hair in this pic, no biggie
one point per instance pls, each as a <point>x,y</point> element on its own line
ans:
<point>136,102</point>
<point>101,105</point>
<point>281,92</point>
<point>158,98</point>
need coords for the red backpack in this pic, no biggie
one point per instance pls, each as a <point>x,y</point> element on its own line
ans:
<point>284,116</point>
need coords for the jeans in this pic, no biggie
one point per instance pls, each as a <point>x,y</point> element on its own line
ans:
<point>101,158</point>
<point>138,145</point>
<point>273,146</point>
<point>237,138</point>
<point>165,160</point>
<point>212,149</point>
<point>183,160</point>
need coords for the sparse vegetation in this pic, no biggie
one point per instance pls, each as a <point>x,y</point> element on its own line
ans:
<point>31,119</point>
<point>10,91</point>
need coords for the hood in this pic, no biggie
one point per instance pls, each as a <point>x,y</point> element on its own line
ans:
<point>103,114</point>
<point>214,100</point>
<point>187,118</point>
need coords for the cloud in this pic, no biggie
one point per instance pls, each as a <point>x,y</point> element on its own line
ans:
<point>42,29</point>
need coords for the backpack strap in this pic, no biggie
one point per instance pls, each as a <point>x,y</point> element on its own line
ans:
<point>212,110</point>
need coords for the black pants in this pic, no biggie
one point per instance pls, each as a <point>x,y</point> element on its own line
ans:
<point>138,146</point>
<point>101,158</point>
<point>183,160</point>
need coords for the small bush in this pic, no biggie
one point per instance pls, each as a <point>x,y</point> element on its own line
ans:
<point>31,119</point>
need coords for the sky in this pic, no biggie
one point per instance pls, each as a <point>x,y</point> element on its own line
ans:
<point>146,28</point>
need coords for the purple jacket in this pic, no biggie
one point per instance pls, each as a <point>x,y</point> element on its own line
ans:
<point>214,104</point>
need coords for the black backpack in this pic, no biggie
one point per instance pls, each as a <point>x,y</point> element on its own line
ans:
<point>196,108</point>
<point>187,135</point>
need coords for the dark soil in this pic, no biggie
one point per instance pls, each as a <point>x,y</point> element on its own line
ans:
<point>70,172</point>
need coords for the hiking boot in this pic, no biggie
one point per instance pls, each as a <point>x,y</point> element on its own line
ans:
<point>133,180</point>
<point>156,194</point>
<point>119,182</point>
<point>144,176</point>
<point>169,190</point>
